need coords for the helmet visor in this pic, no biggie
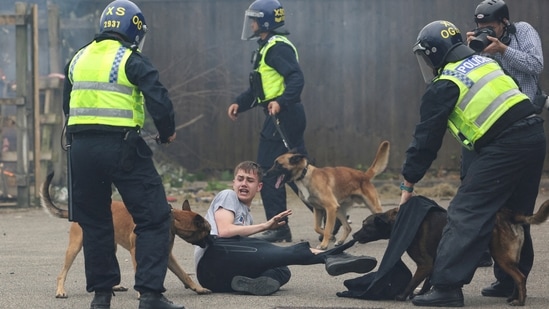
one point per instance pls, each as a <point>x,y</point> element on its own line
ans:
<point>142,39</point>
<point>425,64</point>
<point>250,26</point>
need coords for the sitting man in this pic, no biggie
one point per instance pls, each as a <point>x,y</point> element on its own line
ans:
<point>235,262</point>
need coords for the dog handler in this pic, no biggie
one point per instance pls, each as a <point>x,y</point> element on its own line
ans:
<point>485,110</point>
<point>276,83</point>
<point>235,262</point>
<point>108,84</point>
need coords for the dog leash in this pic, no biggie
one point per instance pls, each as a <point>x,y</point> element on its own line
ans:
<point>277,125</point>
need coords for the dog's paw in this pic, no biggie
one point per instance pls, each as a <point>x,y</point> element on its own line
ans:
<point>516,302</point>
<point>322,247</point>
<point>61,295</point>
<point>119,288</point>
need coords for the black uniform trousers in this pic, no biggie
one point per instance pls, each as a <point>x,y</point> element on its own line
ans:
<point>98,161</point>
<point>505,173</point>
<point>293,124</point>
<point>226,258</point>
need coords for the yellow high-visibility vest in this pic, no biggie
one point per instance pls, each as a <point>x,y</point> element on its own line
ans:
<point>486,93</point>
<point>272,82</point>
<point>101,92</point>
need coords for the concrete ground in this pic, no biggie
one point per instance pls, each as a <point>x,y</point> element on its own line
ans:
<point>32,248</point>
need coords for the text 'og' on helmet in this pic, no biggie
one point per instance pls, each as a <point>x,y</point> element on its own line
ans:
<point>439,43</point>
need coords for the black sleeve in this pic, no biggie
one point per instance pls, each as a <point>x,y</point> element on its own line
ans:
<point>142,73</point>
<point>436,106</point>
<point>245,100</point>
<point>283,59</point>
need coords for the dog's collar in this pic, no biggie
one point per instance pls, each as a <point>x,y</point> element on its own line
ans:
<point>303,172</point>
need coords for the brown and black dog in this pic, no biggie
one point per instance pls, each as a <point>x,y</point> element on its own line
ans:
<point>505,245</point>
<point>330,191</point>
<point>186,224</point>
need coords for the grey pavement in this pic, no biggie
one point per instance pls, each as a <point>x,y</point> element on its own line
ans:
<point>32,248</point>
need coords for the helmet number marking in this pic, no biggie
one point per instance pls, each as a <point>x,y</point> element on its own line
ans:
<point>111,24</point>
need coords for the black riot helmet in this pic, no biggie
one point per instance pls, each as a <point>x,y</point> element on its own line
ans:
<point>439,43</point>
<point>491,10</point>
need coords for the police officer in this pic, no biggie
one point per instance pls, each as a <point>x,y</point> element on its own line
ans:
<point>275,85</point>
<point>486,112</point>
<point>108,82</point>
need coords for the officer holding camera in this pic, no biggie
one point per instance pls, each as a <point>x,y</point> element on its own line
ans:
<point>517,48</point>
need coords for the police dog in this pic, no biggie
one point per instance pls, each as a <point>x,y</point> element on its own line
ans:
<point>186,224</point>
<point>505,245</point>
<point>330,191</point>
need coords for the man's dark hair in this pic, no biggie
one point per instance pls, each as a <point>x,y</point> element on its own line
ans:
<point>250,167</point>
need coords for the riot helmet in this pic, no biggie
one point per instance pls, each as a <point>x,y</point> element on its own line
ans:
<point>268,15</point>
<point>125,18</point>
<point>439,43</point>
<point>491,10</point>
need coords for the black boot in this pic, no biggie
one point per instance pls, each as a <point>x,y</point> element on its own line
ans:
<point>101,300</point>
<point>256,286</point>
<point>281,234</point>
<point>486,259</point>
<point>498,289</point>
<point>436,297</point>
<point>344,263</point>
<point>151,300</point>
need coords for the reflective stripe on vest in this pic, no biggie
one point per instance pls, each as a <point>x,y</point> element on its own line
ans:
<point>486,93</point>
<point>101,92</point>
<point>271,80</point>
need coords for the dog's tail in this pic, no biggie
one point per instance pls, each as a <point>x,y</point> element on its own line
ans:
<point>46,202</point>
<point>539,217</point>
<point>380,161</point>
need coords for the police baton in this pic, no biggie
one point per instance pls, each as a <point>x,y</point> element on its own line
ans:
<point>279,129</point>
<point>67,148</point>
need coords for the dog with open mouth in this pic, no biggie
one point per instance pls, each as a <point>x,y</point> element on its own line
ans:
<point>331,191</point>
<point>188,225</point>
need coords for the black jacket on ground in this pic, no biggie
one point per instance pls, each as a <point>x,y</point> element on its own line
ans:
<point>392,275</point>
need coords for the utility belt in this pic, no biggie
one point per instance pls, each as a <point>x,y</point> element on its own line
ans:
<point>97,134</point>
<point>133,146</point>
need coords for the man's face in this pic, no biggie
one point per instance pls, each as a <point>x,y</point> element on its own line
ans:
<point>246,185</point>
<point>497,25</point>
<point>254,25</point>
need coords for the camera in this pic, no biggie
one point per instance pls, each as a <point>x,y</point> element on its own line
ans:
<point>480,41</point>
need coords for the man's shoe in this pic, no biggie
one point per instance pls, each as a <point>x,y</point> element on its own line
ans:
<point>440,298</point>
<point>101,300</point>
<point>498,289</point>
<point>257,286</point>
<point>344,263</point>
<point>281,234</point>
<point>151,300</point>
<point>485,260</point>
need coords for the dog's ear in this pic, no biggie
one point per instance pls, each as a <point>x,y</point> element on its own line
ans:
<point>295,159</point>
<point>186,206</point>
<point>383,224</point>
<point>381,221</point>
